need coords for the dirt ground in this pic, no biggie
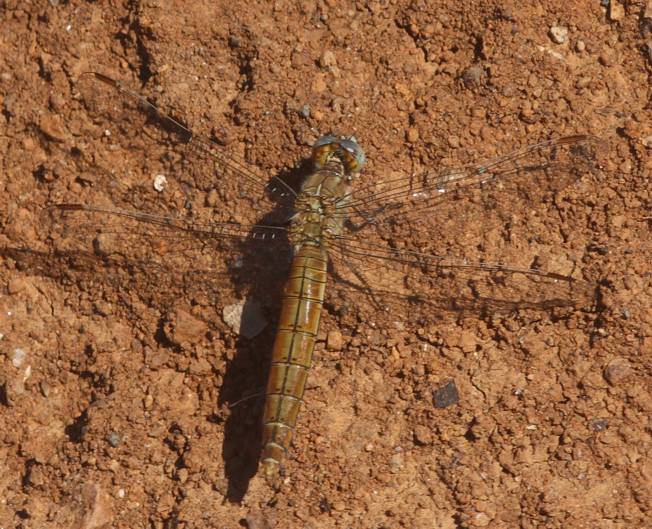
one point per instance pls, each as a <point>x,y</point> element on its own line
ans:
<point>128,399</point>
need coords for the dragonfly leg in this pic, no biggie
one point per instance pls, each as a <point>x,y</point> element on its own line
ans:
<point>369,217</point>
<point>369,290</point>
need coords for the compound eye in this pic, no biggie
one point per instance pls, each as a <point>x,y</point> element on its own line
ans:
<point>353,155</point>
<point>323,149</point>
<point>325,140</point>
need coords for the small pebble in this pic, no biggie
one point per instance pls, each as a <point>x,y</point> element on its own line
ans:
<point>18,357</point>
<point>327,59</point>
<point>599,425</point>
<point>558,34</point>
<point>446,395</point>
<point>583,82</point>
<point>473,76</point>
<point>256,520</point>
<point>16,285</point>
<point>160,181</point>
<point>422,435</point>
<point>52,126</point>
<point>397,461</point>
<point>616,11</point>
<point>304,112</point>
<point>479,519</point>
<point>245,318</point>
<point>114,439</point>
<point>468,341</point>
<point>334,341</point>
<point>580,46</point>
<point>212,198</point>
<point>412,135</point>
<point>617,370</point>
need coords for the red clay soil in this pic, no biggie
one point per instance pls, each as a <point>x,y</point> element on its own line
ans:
<point>128,396</point>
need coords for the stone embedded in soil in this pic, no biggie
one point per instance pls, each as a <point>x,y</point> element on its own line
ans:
<point>412,135</point>
<point>200,366</point>
<point>482,427</point>
<point>114,439</point>
<point>616,11</point>
<point>16,285</point>
<point>397,461</point>
<point>327,59</point>
<point>256,520</point>
<point>183,328</point>
<point>334,341</point>
<point>94,508</point>
<point>18,357</point>
<point>468,341</point>
<point>52,126</point>
<point>479,519</point>
<point>617,370</point>
<point>245,317</point>
<point>648,10</point>
<point>599,425</point>
<point>558,34</point>
<point>473,76</point>
<point>42,442</point>
<point>447,395</point>
<point>422,435</point>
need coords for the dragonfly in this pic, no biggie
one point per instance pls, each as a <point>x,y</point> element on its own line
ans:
<point>398,245</point>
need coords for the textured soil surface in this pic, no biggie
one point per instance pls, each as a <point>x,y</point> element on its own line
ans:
<point>130,397</point>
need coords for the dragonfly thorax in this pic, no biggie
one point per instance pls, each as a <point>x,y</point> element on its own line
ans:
<point>318,214</point>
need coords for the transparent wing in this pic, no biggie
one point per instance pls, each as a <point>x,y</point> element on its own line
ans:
<point>532,172</point>
<point>487,237</point>
<point>193,236</point>
<point>161,259</point>
<point>151,145</point>
<point>419,287</point>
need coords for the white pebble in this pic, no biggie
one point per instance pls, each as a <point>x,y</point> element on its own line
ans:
<point>160,182</point>
<point>18,357</point>
<point>246,318</point>
<point>558,34</point>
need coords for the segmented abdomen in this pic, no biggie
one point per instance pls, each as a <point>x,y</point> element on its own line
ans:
<point>303,299</point>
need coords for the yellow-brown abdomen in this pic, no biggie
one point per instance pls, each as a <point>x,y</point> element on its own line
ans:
<point>303,299</point>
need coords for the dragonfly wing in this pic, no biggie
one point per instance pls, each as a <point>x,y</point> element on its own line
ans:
<point>422,286</point>
<point>494,236</point>
<point>160,259</point>
<point>533,171</point>
<point>533,174</point>
<point>156,148</point>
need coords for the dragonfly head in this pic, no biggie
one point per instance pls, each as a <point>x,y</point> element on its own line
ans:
<point>346,149</point>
